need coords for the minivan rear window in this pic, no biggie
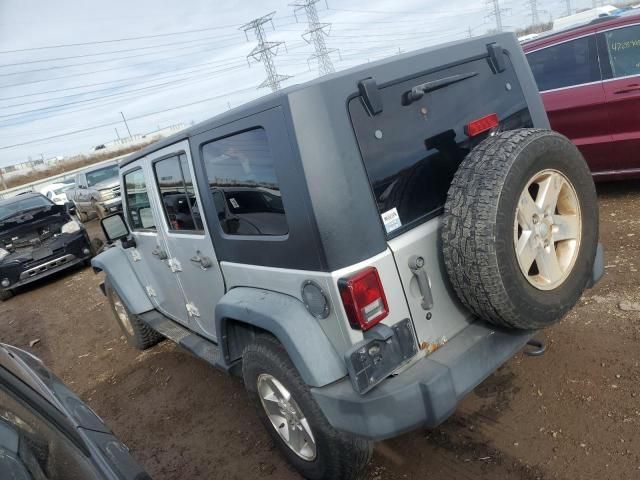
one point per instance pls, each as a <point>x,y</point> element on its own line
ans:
<point>411,151</point>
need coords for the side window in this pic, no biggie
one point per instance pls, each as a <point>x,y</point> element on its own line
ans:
<point>137,199</point>
<point>623,45</point>
<point>244,186</point>
<point>177,193</point>
<point>566,64</point>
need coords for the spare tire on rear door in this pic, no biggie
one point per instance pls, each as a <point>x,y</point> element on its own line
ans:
<point>520,228</point>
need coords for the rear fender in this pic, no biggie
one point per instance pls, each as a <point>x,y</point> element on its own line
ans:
<point>244,311</point>
<point>115,263</point>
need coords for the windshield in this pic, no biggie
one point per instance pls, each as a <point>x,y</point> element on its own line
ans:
<point>102,174</point>
<point>10,209</point>
<point>62,189</point>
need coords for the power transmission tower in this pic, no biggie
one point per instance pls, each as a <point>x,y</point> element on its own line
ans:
<point>315,34</point>
<point>568,4</point>
<point>496,12</point>
<point>535,18</point>
<point>265,51</point>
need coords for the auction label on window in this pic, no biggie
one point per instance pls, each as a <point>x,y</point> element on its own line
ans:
<point>391,220</point>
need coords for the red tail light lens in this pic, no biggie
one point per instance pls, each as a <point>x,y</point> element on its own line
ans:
<point>363,299</point>
<point>483,124</point>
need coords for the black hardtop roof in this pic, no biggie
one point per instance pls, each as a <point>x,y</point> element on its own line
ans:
<point>278,98</point>
<point>20,196</point>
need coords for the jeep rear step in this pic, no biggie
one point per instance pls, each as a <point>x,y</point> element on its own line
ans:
<point>425,394</point>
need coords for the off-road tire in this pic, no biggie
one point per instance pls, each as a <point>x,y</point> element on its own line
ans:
<point>340,456</point>
<point>6,295</point>
<point>142,335</point>
<point>478,228</point>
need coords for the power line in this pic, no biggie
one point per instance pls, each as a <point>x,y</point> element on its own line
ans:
<point>110,124</point>
<point>135,90</point>
<point>124,50</point>
<point>265,51</point>
<point>114,40</point>
<point>315,34</point>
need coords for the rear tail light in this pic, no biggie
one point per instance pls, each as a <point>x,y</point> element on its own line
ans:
<point>363,299</point>
<point>481,125</point>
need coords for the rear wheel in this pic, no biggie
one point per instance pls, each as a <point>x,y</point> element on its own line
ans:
<point>293,418</point>
<point>137,333</point>
<point>520,228</point>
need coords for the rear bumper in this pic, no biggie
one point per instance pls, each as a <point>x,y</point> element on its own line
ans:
<point>425,394</point>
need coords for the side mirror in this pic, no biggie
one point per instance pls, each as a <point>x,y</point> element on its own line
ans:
<point>115,228</point>
<point>71,208</point>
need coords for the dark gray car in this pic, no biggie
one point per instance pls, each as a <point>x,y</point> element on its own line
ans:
<point>48,433</point>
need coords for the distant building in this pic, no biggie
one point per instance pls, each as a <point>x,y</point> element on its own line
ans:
<point>139,139</point>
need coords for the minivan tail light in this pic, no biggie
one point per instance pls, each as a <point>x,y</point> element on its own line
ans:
<point>363,298</point>
<point>481,125</point>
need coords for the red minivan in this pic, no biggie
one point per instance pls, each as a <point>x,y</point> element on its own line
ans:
<point>589,80</point>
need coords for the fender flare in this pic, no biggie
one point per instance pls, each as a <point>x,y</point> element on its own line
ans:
<point>288,320</point>
<point>114,262</point>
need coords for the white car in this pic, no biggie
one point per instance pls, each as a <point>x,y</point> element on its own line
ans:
<point>56,192</point>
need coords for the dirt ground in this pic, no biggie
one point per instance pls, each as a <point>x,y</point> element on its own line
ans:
<point>572,414</point>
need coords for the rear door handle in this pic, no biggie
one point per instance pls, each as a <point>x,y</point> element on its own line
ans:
<point>628,89</point>
<point>161,254</point>
<point>205,262</point>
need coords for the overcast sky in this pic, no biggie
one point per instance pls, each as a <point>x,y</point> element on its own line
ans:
<point>192,62</point>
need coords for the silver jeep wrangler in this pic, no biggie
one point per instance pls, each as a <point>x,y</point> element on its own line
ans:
<point>363,249</point>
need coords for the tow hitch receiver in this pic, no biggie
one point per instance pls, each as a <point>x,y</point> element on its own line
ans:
<point>538,350</point>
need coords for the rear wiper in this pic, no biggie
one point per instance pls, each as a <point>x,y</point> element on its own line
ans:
<point>417,92</point>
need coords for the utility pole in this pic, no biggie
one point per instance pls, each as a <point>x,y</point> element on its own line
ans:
<point>315,34</point>
<point>496,12</point>
<point>469,32</point>
<point>568,4</point>
<point>535,18</point>
<point>126,124</point>
<point>265,51</point>
<point>117,134</point>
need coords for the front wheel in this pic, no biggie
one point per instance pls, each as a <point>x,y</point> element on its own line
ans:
<point>6,295</point>
<point>293,418</point>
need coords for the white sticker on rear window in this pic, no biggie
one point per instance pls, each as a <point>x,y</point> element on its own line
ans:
<point>391,220</point>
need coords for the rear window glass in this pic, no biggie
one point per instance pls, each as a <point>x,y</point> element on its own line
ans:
<point>244,186</point>
<point>411,151</point>
<point>623,45</point>
<point>566,64</point>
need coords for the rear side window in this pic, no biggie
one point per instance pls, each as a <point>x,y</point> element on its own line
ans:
<point>137,198</point>
<point>177,193</point>
<point>566,64</point>
<point>623,45</point>
<point>244,186</point>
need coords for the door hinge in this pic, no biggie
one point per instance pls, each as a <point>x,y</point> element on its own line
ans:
<point>174,265</point>
<point>135,255</point>
<point>192,310</point>
<point>150,291</point>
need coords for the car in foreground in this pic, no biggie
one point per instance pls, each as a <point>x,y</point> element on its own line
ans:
<point>363,249</point>
<point>48,433</point>
<point>56,192</point>
<point>37,239</point>
<point>96,191</point>
<point>589,80</point>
